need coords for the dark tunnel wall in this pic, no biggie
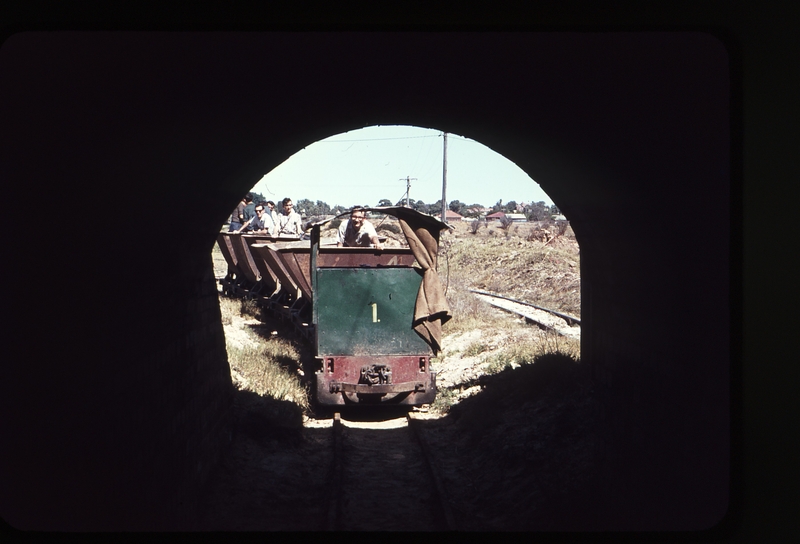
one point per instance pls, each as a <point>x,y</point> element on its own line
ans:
<point>146,142</point>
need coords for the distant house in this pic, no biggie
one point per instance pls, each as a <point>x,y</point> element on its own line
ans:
<point>450,215</point>
<point>558,217</point>
<point>477,211</point>
<point>496,216</point>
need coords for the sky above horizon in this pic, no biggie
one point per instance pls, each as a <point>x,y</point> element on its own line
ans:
<point>363,166</point>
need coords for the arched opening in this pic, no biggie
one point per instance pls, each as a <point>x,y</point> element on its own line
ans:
<point>364,166</point>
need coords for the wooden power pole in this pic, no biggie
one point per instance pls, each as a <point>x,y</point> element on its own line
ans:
<point>408,188</point>
<point>444,181</point>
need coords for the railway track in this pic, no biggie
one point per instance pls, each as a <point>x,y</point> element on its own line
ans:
<point>383,478</point>
<point>561,323</point>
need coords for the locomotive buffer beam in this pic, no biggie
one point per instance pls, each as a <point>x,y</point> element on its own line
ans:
<point>336,387</point>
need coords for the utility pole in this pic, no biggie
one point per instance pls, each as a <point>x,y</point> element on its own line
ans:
<point>408,187</point>
<point>444,181</point>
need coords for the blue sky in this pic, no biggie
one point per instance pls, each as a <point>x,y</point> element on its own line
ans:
<point>365,165</point>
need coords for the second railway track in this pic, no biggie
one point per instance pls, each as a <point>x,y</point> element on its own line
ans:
<point>563,324</point>
<point>383,478</point>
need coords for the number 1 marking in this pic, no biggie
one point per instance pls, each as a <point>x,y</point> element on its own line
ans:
<point>375,312</point>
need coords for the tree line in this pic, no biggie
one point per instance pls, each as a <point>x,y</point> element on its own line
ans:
<point>534,211</point>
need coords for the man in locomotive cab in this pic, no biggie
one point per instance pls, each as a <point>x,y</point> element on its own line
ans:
<point>289,221</point>
<point>357,231</point>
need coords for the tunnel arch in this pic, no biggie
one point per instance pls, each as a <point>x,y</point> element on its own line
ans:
<point>186,123</point>
<point>307,166</point>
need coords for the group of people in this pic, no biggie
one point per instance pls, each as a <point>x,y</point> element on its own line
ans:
<point>261,218</point>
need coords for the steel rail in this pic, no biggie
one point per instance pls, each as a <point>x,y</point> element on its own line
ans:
<point>441,493</point>
<point>334,497</point>
<point>335,476</point>
<point>570,319</point>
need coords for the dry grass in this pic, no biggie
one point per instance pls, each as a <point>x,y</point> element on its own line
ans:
<point>468,311</point>
<point>218,261</point>
<point>228,307</point>
<point>476,348</point>
<point>515,355</point>
<point>500,349</point>
<point>261,371</point>
<point>506,262</point>
<point>446,398</point>
<point>269,367</point>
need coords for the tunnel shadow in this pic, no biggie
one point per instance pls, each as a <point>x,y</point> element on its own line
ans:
<point>272,473</point>
<point>522,454</point>
<point>263,418</point>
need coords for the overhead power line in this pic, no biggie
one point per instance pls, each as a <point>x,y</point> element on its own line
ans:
<point>376,139</point>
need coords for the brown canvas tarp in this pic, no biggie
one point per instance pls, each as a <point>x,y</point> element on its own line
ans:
<point>431,310</point>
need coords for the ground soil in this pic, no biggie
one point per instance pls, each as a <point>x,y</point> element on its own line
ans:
<point>516,452</point>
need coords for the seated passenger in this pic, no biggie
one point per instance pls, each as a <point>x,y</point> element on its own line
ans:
<point>237,217</point>
<point>250,209</point>
<point>357,231</point>
<point>265,224</point>
<point>256,224</point>
<point>273,213</point>
<point>289,220</point>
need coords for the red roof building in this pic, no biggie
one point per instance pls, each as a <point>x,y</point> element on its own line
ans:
<point>450,215</point>
<point>496,216</point>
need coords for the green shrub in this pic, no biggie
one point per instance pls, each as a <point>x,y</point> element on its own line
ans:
<point>475,225</point>
<point>445,399</point>
<point>476,348</point>
<point>250,308</point>
<point>391,227</point>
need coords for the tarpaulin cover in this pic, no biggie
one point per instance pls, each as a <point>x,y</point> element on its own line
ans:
<point>431,310</point>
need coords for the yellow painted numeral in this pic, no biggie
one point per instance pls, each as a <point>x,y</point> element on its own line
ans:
<point>375,312</point>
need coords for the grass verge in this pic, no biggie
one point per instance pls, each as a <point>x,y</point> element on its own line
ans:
<point>269,367</point>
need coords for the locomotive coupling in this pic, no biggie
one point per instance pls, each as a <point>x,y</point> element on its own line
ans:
<point>376,374</point>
